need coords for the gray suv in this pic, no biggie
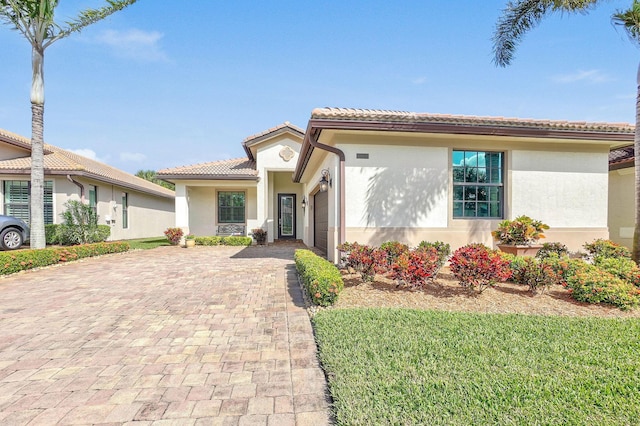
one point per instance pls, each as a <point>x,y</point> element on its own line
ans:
<point>13,232</point>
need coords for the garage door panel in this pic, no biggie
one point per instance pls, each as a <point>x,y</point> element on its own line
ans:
<point>321,220</point>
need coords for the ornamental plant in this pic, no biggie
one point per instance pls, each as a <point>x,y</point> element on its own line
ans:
<point>443,250</point>
<point>593,285</point>
<point>393,249</point>
<point>477,267</point>
<point>174,235</point>
<point>606,248</point>
<point>522,231</point>
<point>548,249</point>
<point>364,259</point>
<point>536,274</point>
<point>416,267</point>
<point>621,267</point>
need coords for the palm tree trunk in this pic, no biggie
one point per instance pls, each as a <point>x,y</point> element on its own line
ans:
<point>37,151</point>
<point>636,151</point>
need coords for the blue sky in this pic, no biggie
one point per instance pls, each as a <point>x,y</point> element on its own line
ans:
<point>164,84</point>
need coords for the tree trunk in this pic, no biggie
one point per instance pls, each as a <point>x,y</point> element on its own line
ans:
<point>636,153</point>
<point>37,151</point>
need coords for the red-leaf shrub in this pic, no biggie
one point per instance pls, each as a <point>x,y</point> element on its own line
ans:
<point>414,268</point>
<point>365,260</point>
<point>537,274</point>
<point>174,235</point>
<point>393,250</point>
<point>477,266</point>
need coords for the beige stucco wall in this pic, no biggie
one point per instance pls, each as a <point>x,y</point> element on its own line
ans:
<point>403,190</point>
<point>8,152</point>
<point>622,206</point>
<point>275,173</point>
<point>148,215</point>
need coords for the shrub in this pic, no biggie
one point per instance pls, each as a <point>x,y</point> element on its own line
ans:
<point>606,248</point>
<point>365,260</point>
<point>223,241</point>
<point>443,250</point>
<point>80,225</point>
<point>517,264</point>
<point>548,248</point>
<point>174,235</point>
<point>522,231</point>
<point>535,274</point>
<point>593,285</point>
<point>477,266</point>
<point>393,249</point>
<point>321,279</point>
<point>51,234</point>
<point>621,267</point>
<point>414,268</point>
<point>21,260</point>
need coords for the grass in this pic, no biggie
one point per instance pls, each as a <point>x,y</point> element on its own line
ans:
<point>405,367</point>
<point>148,243</point>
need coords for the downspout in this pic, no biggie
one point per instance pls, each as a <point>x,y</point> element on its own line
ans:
<point>79,185</point>
<point>313,141</point>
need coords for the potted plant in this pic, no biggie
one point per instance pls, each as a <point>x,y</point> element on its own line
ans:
<point>189,240</point>
<point>260,235</point>
<point>520,235</point>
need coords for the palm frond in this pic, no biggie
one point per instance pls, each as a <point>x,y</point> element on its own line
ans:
<point>630,21</point>
<point>521,16</point>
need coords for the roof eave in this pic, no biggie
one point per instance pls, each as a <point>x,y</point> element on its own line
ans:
<point>173,177</point>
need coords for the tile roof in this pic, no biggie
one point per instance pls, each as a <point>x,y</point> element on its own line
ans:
<point>237,168</point>
<point>60,161</point>
<point>621,157</point>
<point>479,121</point>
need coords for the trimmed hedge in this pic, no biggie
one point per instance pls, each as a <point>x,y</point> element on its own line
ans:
<point>321,279</point>
<point>224,241</point>
<point>21,260</point>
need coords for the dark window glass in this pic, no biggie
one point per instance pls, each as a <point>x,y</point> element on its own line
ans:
<point>478,184</point>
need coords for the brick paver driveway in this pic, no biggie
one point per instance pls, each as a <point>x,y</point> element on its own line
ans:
<point>208,335</point>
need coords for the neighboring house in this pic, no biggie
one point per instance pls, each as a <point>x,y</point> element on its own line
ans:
<point>622,195</point>
<point>408,177</point>
<point>131,206</point>
<point>255,191</point>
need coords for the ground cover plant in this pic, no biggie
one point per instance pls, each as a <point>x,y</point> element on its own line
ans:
<point>400,366</point>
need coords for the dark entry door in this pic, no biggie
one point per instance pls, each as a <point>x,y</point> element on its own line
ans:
<point>286,216</point>
<point>320,220</point>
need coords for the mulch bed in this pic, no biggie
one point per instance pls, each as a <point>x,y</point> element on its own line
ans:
<point>446,294</point>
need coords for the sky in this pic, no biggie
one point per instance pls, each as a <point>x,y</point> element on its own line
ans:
<point>164,84</point>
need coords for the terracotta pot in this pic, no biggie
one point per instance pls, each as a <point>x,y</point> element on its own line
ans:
<point>189,243</point>
<point>520,250</point>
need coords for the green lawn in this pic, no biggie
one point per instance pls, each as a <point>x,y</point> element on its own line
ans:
<point>405,367</point>
<point>148,243</point>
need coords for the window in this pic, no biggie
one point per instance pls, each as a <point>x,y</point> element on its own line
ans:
<point>17,196</point>
<point>125,210</point>
<point>478,184</point>
<point>231,207</point>
<point>93,198</point>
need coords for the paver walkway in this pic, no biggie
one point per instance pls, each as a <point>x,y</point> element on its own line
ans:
<point>208,335</point>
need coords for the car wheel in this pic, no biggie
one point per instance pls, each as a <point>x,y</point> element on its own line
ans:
<point>11,239</point>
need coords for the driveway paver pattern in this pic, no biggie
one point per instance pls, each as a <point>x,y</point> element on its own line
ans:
<point>206,335</point>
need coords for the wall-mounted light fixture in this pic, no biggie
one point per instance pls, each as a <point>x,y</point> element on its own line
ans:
<point>304,203</point>
<point>325,180</point>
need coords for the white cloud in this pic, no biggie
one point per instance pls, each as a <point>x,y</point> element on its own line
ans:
<point>591,76</point>
<point>134,157</point>
<point>86,152</point>
<point>134,43</point>
<point>419,80</point>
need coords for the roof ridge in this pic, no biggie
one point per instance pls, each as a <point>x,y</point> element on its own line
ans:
<point>273,129</point>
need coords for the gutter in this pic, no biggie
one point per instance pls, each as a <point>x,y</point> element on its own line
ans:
<point>79,185</point>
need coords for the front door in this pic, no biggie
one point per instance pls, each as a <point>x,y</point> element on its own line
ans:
<point>286,216</point>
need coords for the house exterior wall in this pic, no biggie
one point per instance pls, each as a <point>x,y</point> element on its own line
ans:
<point>275,169</point>
<point>148,215</point>
<point>622,206</point>
<point>403,191</point>
<point>8,152</point>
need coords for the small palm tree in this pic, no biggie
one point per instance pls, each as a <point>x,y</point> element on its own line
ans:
<point>34,19</point>
<point>521,16</point>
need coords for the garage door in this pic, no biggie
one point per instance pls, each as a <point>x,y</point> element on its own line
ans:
<point>321,220</point>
